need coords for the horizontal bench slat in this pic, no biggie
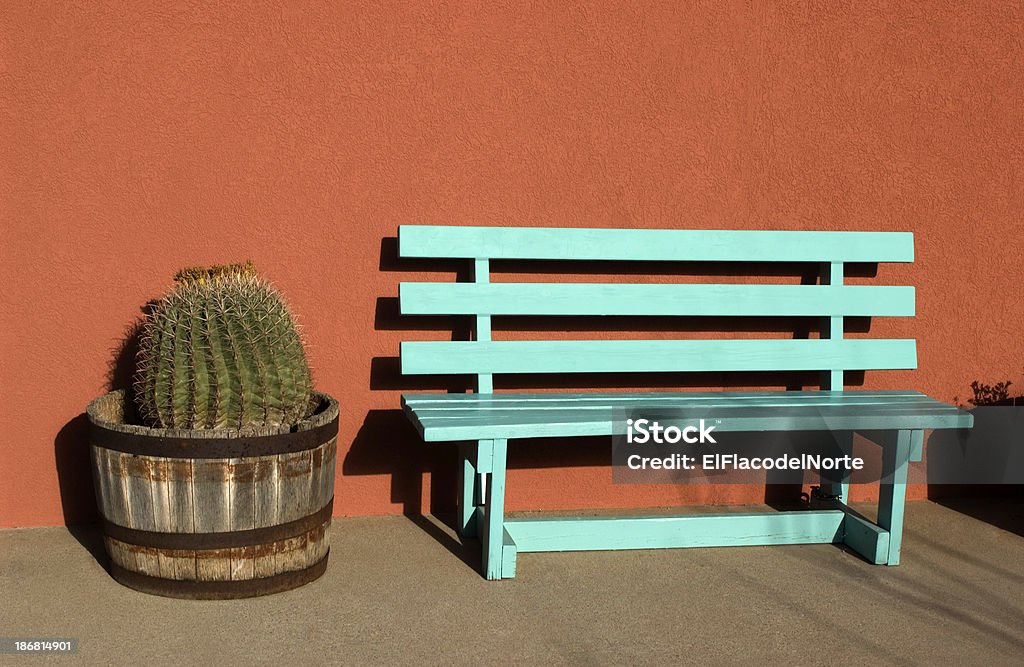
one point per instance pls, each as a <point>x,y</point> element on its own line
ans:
<point>656,300</point>
<point>653,397</point>
<point>653,244</point>
<point>633,356</point>
<point>427,406</point>
<point>578,425</point>
<point>440,412</point>
<point>573,414</point>
<point>559,401</point>
<point>604,428</point>
<point>662,532</point>
<point>484,416</point>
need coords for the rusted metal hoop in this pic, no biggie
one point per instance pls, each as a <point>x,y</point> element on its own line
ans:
<point>212,448</point>
<point>223,540</point>
<point>219,590</point>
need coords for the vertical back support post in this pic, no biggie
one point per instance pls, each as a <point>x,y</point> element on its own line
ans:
<point>832,328</point>
<point>482,274</point>
<point>492,460</point>
<point>475,460</point>
<point>483,479</point>
<point>484,381</point>
<point>832,274</point>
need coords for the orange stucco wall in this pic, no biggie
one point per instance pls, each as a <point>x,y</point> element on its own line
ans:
<point>139,139</point>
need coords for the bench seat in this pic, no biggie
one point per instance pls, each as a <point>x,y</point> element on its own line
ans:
<point>450,417</point>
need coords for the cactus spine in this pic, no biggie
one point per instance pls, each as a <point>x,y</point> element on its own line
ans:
<point>221,351</point>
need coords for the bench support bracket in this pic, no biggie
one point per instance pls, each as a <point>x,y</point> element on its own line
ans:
<point>468,491</point>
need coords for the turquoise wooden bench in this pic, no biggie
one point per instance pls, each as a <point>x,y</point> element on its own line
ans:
<point>896,420</point>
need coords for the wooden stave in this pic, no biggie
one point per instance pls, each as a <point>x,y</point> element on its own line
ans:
<point>276,489</point>
<point>253,562</point>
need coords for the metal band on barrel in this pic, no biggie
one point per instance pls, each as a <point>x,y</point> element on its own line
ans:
<point>219,590</point>
<point>223,540</point>
<point>213,448</point>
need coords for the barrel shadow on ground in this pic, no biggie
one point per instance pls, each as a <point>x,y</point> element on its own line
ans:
<point>71,451</point>
<point>77,494</point>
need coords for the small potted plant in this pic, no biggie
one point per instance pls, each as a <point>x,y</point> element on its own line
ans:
<point>215,474</point>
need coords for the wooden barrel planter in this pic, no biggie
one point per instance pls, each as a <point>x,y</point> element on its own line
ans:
<point>213,514</point>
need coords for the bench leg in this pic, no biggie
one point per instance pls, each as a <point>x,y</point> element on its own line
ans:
<point>893,490</point>
<point>494,514</point>
<point>844,439</point>
<point>468,491</point>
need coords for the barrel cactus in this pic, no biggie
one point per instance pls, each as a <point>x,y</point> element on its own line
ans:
<point>221,351</point>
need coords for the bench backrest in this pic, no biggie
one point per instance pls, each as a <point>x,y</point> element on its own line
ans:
<point>830,299</point>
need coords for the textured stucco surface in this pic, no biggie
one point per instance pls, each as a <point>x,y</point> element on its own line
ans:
<point>137,139</point>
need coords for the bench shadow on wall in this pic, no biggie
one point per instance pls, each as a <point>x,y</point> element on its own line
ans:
<point>387,444</point>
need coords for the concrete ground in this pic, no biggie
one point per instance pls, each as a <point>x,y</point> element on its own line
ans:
<point>404,591</point>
